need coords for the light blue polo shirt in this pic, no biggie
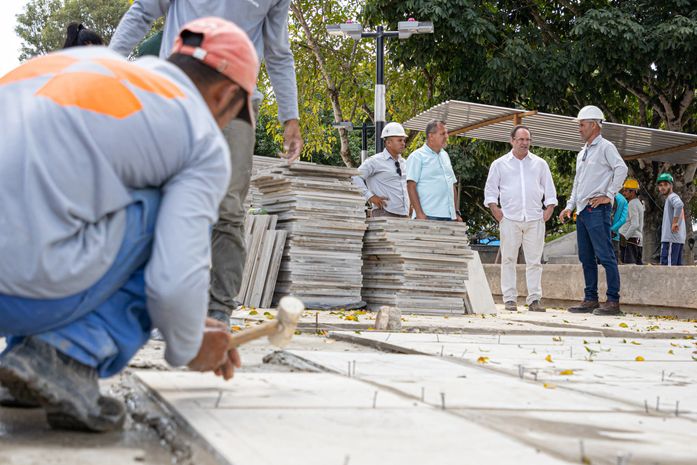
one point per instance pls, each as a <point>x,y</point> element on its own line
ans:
<point>434,178</point>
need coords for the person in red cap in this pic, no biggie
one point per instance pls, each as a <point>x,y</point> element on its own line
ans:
<point>105,231</point>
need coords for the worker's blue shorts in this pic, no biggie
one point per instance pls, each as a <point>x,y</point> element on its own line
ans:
<point>105,325</point>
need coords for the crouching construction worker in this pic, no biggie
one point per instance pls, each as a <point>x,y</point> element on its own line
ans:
<point>111,174</point>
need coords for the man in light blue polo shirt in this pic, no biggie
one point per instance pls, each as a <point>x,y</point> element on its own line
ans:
<point>430,177</point>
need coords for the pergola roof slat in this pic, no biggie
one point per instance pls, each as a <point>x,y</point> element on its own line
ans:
<point>489,122</point>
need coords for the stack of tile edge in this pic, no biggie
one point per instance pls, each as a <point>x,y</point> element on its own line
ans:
<point>264,251</point>
<point>416,266</point>
<point>324,216</point>
<point>259,165</point>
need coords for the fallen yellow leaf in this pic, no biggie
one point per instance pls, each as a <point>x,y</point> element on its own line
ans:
<point>483,360</point>
<point>636,343</point>
<point>549,386</point>
<point>671,352</point>
<point>236,328</point>
<point>624,325</point>
<point>549,358</point>
<point>566,372</point>
<point>639,358</point>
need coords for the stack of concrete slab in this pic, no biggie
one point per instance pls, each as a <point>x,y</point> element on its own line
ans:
<point>259,165</point>
<point>417,266</point>
<point>324,215</point>
<point>264,251</point>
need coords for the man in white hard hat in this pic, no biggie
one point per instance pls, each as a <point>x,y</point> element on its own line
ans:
<point>600,172</point>
<point>382,177</point>
<point>521,183</point>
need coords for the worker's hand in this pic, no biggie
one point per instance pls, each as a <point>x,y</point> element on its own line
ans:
<point>378,201</point>
<point>497,212</point>
<point>595,202</point>
<point>458,218</point>
<point>292,141</point>
<point>565,215</point>
<point>675,227</point>
<point>421,216</point>
<point>232,361</point>
<point>547,214</point>
<point>213,351</point>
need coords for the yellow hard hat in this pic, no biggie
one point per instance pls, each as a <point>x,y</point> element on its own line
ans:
<point>631,184</point>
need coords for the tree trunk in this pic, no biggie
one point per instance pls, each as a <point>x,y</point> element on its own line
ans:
<point>332,88</point>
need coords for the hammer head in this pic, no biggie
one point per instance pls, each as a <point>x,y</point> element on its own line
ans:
<point>289,311</point>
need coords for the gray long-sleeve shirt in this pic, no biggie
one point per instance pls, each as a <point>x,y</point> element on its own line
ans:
<point>673,208</point>
<point>81,129</point>
<point>634,226</point>
<point>600,171</point>
<point>378,176</point>
<point>264,21</point>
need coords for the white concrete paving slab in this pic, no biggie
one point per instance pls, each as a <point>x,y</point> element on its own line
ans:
<point>270,427</point>
<point>464,386</point>
<point>604,438</point>
<point>551,414</point>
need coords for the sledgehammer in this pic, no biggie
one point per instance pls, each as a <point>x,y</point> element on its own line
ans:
<point>280,331</point>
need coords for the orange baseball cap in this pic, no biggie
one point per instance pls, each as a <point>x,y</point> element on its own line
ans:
<point>227,49</point>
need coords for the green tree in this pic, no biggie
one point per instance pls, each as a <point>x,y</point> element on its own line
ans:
<point>42,25</point>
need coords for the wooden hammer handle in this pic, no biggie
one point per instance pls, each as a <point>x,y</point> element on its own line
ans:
<point>256,332</point>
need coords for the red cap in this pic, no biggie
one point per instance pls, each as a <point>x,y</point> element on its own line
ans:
<point>227,49</point>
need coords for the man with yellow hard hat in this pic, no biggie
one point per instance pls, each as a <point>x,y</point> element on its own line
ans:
<point>631,231</point>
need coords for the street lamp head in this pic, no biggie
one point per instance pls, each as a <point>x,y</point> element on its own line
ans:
<point>349,29</point>
<point>411,26</point>
<point>348,125</point>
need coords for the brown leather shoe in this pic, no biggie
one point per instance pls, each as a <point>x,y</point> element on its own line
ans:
<point>609,309</point>
<point>587,306</point>
<point>536,306</point>
<point>511,306</point>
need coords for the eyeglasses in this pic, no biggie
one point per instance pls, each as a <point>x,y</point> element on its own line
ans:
<point>399,169</point>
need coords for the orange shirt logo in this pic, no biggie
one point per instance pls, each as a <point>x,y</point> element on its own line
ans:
<point>93,91</point>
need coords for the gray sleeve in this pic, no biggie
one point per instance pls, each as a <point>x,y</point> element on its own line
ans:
<point>177,276</point>
<point>571,203</point>
<point>364,171</point>
<point>677,204</point>
<point>619,168</point>
<point>279,61</point>
<point>632,225</point>
<point>136,23</point>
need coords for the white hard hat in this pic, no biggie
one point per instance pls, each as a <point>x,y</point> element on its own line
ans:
<point>590,112</point>
<point>393,129</point>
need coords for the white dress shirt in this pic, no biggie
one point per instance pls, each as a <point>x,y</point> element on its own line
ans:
<point>520,186</point>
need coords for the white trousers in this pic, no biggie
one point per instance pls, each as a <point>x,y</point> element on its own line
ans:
<point>531,235</point>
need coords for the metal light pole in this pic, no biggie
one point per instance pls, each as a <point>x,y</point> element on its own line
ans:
<point>364,135</point>
<point>405,29</point>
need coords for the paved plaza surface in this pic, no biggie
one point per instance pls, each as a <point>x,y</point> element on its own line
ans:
<point>515,388</point>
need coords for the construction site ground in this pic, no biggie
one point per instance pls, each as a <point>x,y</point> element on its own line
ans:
<point>517,388</point>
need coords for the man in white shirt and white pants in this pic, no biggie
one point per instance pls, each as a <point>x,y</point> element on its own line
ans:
<point>522,183</point>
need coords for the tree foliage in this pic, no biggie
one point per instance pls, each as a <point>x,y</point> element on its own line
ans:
<point>42,25</point>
